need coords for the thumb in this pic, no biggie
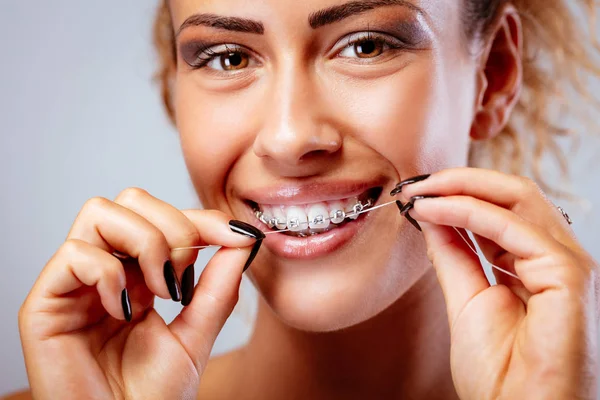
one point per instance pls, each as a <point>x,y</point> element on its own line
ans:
<point>215,296</point>
<point>458,269</point>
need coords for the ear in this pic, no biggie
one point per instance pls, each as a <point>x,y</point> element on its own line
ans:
<point>500,75</point>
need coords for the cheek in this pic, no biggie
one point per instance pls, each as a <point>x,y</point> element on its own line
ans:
<point>414,119</point>
<point>215,130</point>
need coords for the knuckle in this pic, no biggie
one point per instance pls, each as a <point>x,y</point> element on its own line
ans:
<point>219,302</point>
<point>131,195</point>
<point>530,187</point>
<point>96,203</point>
<point>188,237</point>
<point>71,247</point>
<point>23,312</point>
<point>574,277</point>
<point>114,271</point>
<point>153,238</point>
<point>501,233</point>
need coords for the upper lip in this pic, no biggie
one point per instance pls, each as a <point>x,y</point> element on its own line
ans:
<point>310,192</point>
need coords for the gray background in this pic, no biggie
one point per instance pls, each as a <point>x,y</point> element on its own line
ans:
<point>79,117</point>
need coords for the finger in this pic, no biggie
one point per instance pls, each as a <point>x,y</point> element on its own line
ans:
<point>77,264</point>
<point>216,294</point>
<point>511,232</point>
<point>502,267</point>
<point>458,269</point>
<point>516,193</point>
<point>214,228</point>
<point>178,230</point>
<point>110,227</point>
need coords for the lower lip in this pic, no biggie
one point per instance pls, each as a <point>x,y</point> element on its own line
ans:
<point>311,247</point>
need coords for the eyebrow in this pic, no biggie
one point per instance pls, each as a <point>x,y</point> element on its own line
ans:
<point>337,13</point>
<point>235,24</point>
<point>316,19</point>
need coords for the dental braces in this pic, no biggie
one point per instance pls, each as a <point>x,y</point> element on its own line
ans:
<point>318,222</point>
<point>355,212</point>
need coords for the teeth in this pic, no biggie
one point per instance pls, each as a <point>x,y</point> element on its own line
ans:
<point>297,220</point>
<point>317,217</point>
<point>267,217</point>
<point>336,212</point>
<point>337,216</point>
<point>313,219</point>
<point>280,218</point>
<point>353,208</point>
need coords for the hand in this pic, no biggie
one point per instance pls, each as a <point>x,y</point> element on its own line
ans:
<point>530,338</point>
<point>75,339</point>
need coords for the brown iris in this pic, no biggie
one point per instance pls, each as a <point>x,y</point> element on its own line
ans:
<point>368,48</point>
<point>233,61</point>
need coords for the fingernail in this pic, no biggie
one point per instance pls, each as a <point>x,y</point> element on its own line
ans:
<point>404,211</point>
<point>187,286</point>
<point>253,253</point>
<point>246,229</point>
<point>172,282</point>
<point>126,304</point>
<point>406,208</point>
<point>408,181</point>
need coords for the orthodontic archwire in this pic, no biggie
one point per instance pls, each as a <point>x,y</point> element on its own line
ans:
<point>357,210</point>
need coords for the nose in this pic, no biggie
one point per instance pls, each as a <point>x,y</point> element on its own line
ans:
<point>297,137</point>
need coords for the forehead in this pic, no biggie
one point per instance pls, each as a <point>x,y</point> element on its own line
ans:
<point>283,14</point>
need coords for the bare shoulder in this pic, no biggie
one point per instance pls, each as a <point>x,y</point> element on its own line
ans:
<point>218,379</point>
<point>25,395</point>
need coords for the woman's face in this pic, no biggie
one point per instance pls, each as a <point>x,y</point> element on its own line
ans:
<point>297,108</point>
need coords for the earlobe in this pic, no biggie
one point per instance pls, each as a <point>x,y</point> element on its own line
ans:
<point>499,76</point>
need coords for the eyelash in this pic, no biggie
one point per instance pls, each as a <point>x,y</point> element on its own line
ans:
<point>392,42</point>
<point>206,54</point>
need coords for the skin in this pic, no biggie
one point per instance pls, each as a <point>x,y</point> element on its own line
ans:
<point>412,317</point>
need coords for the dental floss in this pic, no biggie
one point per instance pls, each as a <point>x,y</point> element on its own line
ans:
<point>486,260</point>
<point>356,214</point>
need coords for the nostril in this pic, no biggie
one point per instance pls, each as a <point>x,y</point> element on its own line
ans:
<point>315,155</point>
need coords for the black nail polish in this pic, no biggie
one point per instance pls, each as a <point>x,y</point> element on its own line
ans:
<point>246,229</point>
<point>399,205</point>
<point>415,198</point>
<point>413,222</point>
<point>187,286</point>
<point>253,253</point>
<point>404,208</point>
<point>126,304</point>
<point>408,181</point>
<point>172,282</point>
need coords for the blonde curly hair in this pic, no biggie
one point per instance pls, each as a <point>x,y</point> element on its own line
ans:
<point>560,58</point>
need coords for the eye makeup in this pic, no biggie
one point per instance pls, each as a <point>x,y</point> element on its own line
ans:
<point>199,53</point>
<point>386,33</point>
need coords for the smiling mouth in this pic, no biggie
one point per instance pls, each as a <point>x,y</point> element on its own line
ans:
<point>303,220</point>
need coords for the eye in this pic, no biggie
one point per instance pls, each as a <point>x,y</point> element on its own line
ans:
<point>223,58</point>
<point>231,61</point>
<point>367,45</point>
